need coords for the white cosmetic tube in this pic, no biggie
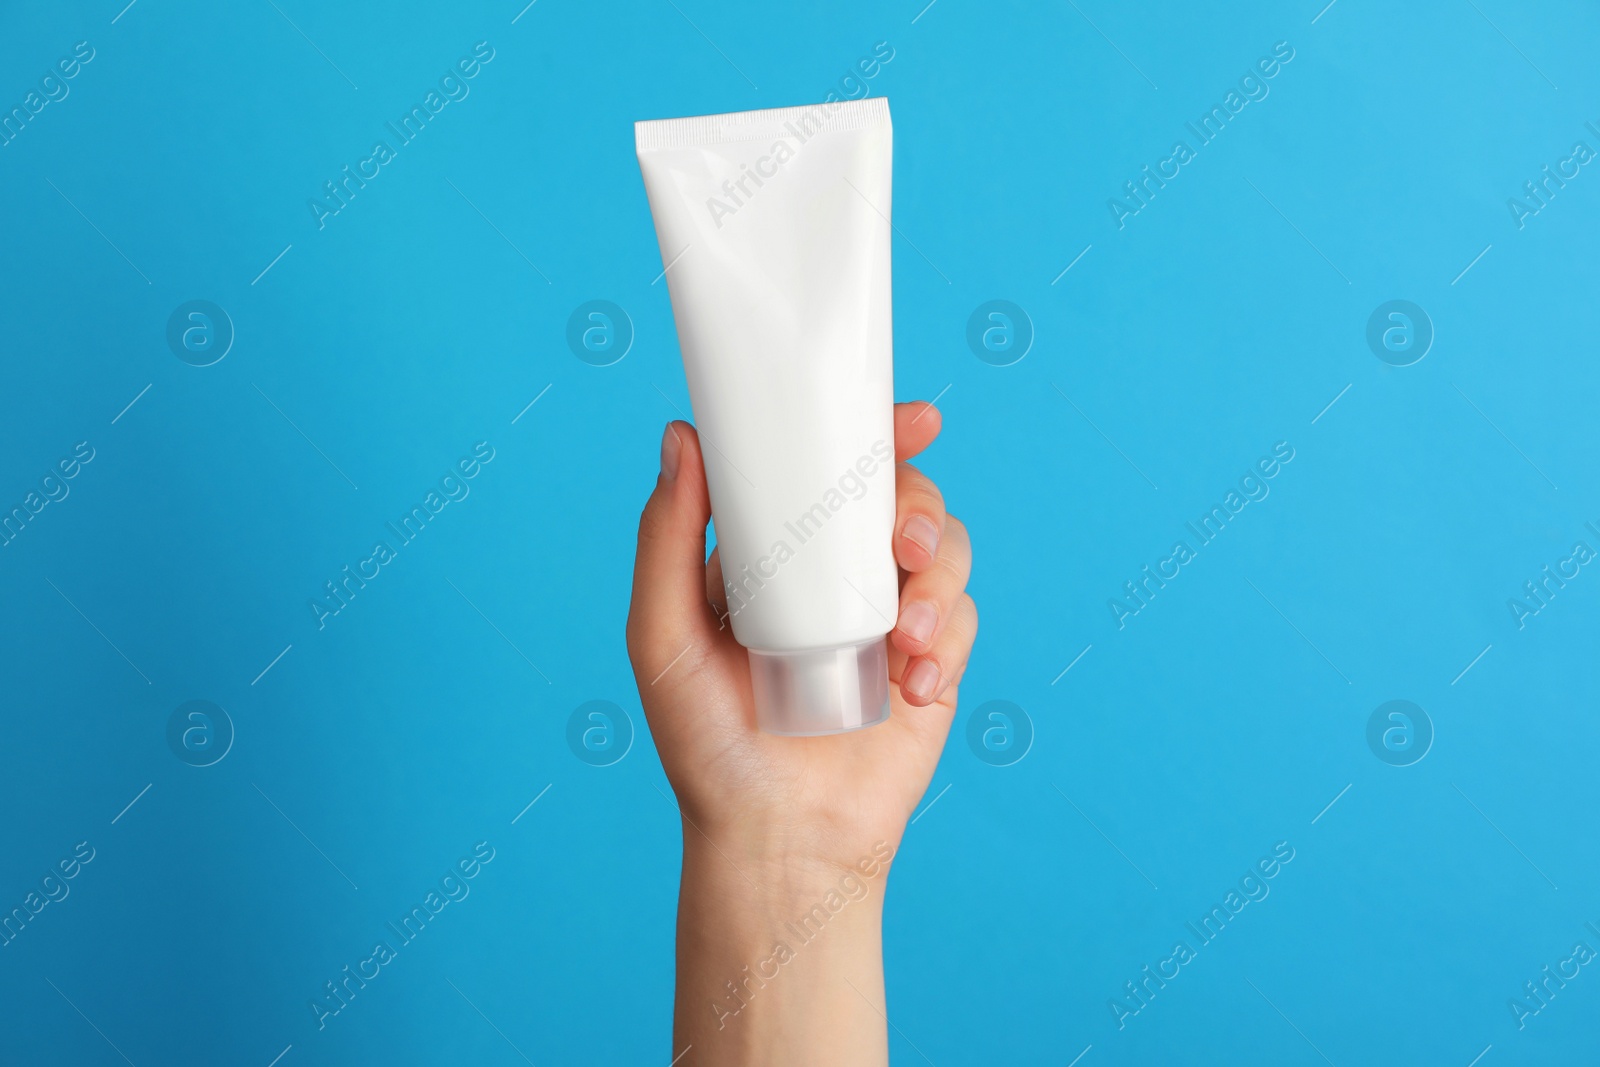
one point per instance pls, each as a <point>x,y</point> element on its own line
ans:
<point>774,227</point>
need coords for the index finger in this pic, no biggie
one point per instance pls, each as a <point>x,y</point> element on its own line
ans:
<point>916,424</point>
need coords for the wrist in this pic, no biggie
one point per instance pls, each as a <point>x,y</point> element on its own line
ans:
<point>778,876</point>
<point>770,935</point>
<point>784,861</point>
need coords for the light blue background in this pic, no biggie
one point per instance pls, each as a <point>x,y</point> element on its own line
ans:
<point>1222,319</point>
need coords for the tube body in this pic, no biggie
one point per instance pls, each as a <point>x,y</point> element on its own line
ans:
<point>774,226</point>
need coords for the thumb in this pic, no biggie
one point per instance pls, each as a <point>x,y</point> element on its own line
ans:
<point>669,613</point>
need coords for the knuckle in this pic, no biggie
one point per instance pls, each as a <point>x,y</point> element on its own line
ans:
<point>650,525</point>
<point>964,619</point>
<point>955,561</point>
<point>955,550</point>
<point>952,567</point>
<point>913,483</point>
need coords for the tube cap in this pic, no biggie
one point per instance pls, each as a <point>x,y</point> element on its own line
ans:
<point>823,691</point>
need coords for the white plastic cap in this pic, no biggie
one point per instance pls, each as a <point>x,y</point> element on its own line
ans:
<point>824,691</point>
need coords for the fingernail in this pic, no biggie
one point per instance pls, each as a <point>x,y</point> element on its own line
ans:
<point>671,445</point>
<point>923,680</point>
<point>921,531</point>
<point>917,621</point>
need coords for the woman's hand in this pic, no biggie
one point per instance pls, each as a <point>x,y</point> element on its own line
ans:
<point>774,824</point>
<point>823,796</point>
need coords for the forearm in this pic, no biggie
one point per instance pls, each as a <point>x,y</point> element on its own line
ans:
<point>780,956</point>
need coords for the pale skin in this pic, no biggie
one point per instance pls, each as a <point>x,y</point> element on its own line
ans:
<point>772,824</point>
